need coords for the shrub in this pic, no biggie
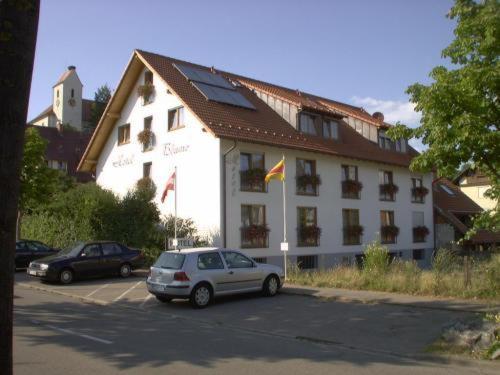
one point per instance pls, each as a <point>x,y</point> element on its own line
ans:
<point>376,259</point>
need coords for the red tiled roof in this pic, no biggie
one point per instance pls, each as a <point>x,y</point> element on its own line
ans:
<point>264,125</point>
<point>66,145</point>
<point>452,206</point>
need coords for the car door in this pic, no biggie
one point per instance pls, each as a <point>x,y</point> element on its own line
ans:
<point>242,273</point>
<point>211,268</point>
<point>111,257</point>
<point>89,262</point>
<point>23,254</point>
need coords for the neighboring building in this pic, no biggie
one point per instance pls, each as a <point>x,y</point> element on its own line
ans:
<point>454,211</point>
<point>222,131</point>
<point>68,106</point>
<point>474,184</point>
<point>65,149</point>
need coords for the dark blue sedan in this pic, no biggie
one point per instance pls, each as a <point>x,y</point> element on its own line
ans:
<point>88,259</point>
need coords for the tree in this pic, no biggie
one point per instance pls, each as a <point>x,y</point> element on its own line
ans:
<point>460,108</point>
<point>101,99</point>
<point>18,30</point>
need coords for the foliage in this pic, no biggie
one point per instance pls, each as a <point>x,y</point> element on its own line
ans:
<point>255,231</point>
<point>101,99</point>
<point>308,179</point>
<point>376,258</point>
<point>146,187</point>
<point>406,277</point>
<point>38,181</point>
<point>309,232</point>
<point>354,230</point>
<point>253,175</point>
<point>460,108</point>
<point>352,186</point>
<point>389,230</point>
<point>145,91</point>
<point>145,138</point>
<point>389,188</point>
<point>88,212</point>
<point>420,191</point>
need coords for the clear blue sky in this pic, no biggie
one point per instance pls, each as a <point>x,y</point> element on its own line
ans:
<point>358,51</point>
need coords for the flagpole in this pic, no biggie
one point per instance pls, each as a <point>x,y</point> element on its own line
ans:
<point>284,211</point>
<point>175,208</point>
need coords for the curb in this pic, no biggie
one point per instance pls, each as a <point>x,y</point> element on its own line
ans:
<point>288,289</point>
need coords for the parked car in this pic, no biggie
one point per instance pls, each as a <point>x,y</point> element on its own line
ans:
<point>88,259</point>
<point>29,250</point>
<point>204,273</point>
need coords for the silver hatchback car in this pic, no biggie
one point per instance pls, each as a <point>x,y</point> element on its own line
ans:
<point>201,274</point>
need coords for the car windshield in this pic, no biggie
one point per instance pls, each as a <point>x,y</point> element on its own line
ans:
<point>74,250</point>
<point>172,261</point>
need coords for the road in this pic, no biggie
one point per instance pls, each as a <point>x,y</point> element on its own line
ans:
<point>287,334</point>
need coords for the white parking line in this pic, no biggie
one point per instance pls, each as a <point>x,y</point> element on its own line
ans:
<point>70,332</point>
<point>125,292</point>
<point>98,289</point>
<point>145,301</point>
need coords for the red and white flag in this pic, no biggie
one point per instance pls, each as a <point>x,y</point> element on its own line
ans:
<point>169,186</point>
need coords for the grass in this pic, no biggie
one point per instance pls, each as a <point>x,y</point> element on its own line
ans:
<point>445,278</point>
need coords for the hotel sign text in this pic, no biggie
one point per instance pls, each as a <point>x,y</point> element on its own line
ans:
<point>170,149</point>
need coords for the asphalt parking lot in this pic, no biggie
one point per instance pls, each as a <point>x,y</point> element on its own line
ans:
<point>373,327</point>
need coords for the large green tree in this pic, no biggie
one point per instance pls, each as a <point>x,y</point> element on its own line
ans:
<point>18,30</point>
<point>460,108</point>
<point>101,99</point>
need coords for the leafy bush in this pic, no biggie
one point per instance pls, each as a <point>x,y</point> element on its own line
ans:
<point>376,259</point>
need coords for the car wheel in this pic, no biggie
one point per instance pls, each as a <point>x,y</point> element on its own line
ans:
<point>66,276</point>
<point>163,299</point>
<point>125,270</point>
<point>271,286</point>
<point>201,296</point>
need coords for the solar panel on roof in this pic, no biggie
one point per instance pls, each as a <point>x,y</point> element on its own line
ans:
<point>213,86</point>
<point>221,95</point>
<point>198,75</point>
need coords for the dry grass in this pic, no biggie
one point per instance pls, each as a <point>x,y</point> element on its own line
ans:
<point>406,277</point>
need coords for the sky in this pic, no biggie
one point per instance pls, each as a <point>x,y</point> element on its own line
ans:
<point>361,52</point>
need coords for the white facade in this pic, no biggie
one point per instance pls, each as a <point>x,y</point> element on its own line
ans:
<point>198,156</point>
<point>67,100</point>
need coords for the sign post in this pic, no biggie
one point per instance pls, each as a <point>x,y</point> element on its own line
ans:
<point>284,244</point>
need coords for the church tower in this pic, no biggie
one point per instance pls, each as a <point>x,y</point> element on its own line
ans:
<point>67,99</point>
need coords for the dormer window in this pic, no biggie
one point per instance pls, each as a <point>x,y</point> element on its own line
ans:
<point>307,124</point>
<point>330,129</point>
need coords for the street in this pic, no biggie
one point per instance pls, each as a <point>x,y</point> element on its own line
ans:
<point>60,334</point>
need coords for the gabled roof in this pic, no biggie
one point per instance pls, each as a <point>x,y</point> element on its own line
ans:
<point>451,206</point>
<point>46,112</point>
<point>262,125</point>
<point>70,71</point>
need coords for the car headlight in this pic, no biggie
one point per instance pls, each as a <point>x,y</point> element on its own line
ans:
<point>44,267</point>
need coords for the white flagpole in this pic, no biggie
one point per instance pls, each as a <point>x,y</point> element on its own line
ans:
<point>175,207</point>
<point>284,211</point>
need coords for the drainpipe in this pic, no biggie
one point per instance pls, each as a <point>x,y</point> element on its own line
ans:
<point>224,195</point>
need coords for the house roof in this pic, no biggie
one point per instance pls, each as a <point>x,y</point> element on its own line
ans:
<point>452,206</point>
<point>262,125</point>
<point>65,145</point>
<point>46,112</point>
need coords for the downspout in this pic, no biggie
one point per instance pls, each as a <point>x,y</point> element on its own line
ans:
<point>224,195</point>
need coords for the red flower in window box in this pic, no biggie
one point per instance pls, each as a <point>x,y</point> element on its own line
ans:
<point>420,191</point>
<point>308,179</point>
<point>255,232</point>
<point>253,176</point>
<point>389,230</point>
<point>389,188</point>
<point>354,230</point>
<point>145,91</point>
<point>421,231</point>
<point>352,186</point>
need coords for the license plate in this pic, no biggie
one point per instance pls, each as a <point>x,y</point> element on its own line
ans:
<point>30,272</point>
<point>158,288</point>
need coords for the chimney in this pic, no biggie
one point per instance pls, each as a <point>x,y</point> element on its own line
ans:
<point>71,67</point>
<point>379,116</point>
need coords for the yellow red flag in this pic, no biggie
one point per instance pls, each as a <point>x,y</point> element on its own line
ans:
<point>277,172</point>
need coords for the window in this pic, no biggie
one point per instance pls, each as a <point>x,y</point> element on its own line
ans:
<point>72,93</point>
<point>148,77</point>
<point>447,190</point>
<point>418,254</point>
<point>307,179</point>
<point>170,260</point>
<point>146,170</point>
<point>306,124</point>
<point>385,142</point>
<point>307,227</point>
<point>123,134</point>
<point>307,262</point>
<point>111,249</point>
<point>91,251</point>
<point>330,129</point>
<point>351,187</point>
<point>210,261</point>
<point>236,260</point>
<point>387,188</point>
<point>176,118</point>
<point>252,172</point>
<point>420,231</point>
<point>36,246</point>
<point>254,231</point>
<point>351,228</point>
<point>261,260</point>
<point>416,189</point>
<point>57,94</point>
<point>388,231</point>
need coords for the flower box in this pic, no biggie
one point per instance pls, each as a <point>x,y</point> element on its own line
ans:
<point>389,231</point>
<point>146,91</point>
<point>389,189</point>
<point>351,187</point>
<point>253,176</point>
<point>354,230</point>
<point>309,235</point>
<point>419,233</point>
<point>420,191</point>
<point>146,138</point>
<point>255,232</point>
<point>308,179</point>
